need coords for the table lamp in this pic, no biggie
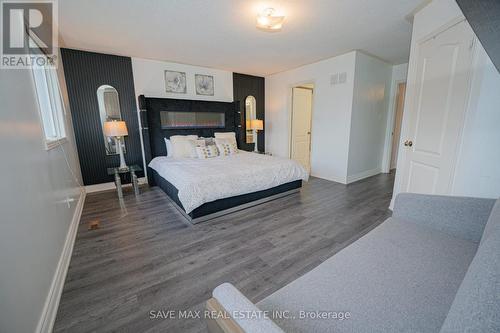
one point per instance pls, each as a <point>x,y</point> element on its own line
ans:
<point>256,125</point>
<point>117,129</point>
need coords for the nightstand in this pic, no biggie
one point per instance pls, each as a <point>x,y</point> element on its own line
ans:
<point>132,169</point>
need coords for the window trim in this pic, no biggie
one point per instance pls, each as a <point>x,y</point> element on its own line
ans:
<point>51,144</point>
<point>58,113</point>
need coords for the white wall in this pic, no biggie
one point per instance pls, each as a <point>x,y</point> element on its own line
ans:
<point>372,84</point>
<point>35,214</point>
<point>331,114</point>
<point>476,170</point>
<point>399,74</point>
<point>149,80</point>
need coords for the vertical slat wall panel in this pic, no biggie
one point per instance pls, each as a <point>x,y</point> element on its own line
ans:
<point>243,86</point>
<point>85,72</point>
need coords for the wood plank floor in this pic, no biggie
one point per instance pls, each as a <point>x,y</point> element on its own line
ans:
<point>145,258</point>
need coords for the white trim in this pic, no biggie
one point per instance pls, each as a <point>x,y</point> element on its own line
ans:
<point>57,112</point>
<point>110,186</point>
<point>51,144</point>
<point>391,119</point>
<point>363,175</point>
<point>341,180</point>
<point>48,317</point>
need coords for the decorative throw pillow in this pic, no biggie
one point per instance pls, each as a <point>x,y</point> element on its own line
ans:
<point>181,145</point>
<point>207,151</point>
<point>199,142</point>
<point>221,142</point>
<point>208,141</point>
<point>231,136</point>
<point>226,147</point>
<point>194,145</point>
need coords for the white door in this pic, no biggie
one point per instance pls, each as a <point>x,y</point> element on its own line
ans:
<point>301,126</point>
<point>437,111</point>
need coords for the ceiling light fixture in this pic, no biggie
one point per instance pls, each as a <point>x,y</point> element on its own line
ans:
<point>269,20</point>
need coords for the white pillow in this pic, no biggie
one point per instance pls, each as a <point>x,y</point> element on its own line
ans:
<point>207,151</point>
<point>192,137</point>
<point>168,143</point>
<point>225,135</point>
<point>182,146</point>
<point>231,136</point>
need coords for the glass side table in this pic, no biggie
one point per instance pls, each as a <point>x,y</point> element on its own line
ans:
<point>132,169</point>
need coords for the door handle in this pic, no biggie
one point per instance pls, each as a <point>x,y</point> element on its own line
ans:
<point>408,143</point>
<point>309,133</point>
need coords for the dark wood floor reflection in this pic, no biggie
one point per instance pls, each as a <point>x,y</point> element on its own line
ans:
<point>145,258</point>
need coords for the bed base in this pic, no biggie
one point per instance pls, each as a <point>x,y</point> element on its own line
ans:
<point>233,209</point>
<point>217,208</point>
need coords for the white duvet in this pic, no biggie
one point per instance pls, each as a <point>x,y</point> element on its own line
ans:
<point>204,180</point>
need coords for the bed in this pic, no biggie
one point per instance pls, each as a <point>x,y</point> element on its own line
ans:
<point>202,189</point>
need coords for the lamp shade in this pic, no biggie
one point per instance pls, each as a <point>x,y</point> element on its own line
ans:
<point>115,128</point>
<point>256,124</point>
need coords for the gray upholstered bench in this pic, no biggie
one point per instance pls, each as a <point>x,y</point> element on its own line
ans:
<point>432,267</point>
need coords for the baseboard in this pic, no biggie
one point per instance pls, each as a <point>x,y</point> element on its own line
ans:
<point>110,186</point>
<point>48,317</point>
<point>363,175</point>
<point>391,205</point>
<point>333,179</point>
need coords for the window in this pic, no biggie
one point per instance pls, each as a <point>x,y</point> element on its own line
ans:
<point>50,104</point>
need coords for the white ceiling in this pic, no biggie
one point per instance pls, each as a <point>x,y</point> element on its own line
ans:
<point>222,34</point>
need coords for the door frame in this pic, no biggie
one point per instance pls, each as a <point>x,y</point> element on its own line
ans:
<point>391,118</point>
<point>290,115</point>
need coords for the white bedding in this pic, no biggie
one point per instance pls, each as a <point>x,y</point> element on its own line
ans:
<point>204,180</point>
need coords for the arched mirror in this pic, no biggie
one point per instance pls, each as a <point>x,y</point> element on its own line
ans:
<point>250,114</point>
<point>109,110</point>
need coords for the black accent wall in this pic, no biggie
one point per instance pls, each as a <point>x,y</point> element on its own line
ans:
<point>84,73</point>
<point>243,86</point>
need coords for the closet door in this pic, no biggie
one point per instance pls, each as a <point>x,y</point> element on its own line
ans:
<point>437,110</point>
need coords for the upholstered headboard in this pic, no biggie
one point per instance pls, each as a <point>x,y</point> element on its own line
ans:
<point>154,132</point>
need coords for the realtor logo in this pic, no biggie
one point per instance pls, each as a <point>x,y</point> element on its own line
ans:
<point>29,36</point>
